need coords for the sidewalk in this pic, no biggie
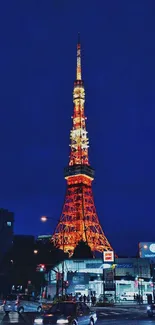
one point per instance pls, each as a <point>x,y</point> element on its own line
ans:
<point>131,305</point>
<point>120,307</point>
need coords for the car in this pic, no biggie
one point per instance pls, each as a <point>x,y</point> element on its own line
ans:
<point>21,303</point>
<point>106,298</point>
<point>151,310</point>
<point>69,312</point>
<point>127,297</point>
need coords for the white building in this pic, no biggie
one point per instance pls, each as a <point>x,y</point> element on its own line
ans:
<point>130,276</point>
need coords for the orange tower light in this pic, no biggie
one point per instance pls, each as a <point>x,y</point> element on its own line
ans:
<point>79,220</point>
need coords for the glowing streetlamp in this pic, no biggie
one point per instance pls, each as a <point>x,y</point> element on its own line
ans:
<point>35,251</point>
<point>43,218</point>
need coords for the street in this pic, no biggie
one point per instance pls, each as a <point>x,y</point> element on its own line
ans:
<point>115,315</point>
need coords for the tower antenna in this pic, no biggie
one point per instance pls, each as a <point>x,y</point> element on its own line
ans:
<point>78,66</point>
<point>79,220</point>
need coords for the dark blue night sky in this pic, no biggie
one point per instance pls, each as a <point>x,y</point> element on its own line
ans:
<point>37,71</point>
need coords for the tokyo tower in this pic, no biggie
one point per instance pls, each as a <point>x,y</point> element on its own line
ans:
<point>79,220</point>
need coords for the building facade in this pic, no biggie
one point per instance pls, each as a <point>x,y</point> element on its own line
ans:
<point>129,277</point>
<point>6,231</point>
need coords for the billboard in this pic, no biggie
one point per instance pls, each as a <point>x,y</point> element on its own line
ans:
<point>147,249</point>
<point>78,278</point>
<point>109,283</point>
<point>108,256</point>
<point>77,281</point>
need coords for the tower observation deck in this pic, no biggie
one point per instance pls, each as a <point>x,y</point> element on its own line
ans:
<point>79,220</point>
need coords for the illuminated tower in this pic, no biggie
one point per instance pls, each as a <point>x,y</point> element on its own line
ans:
<point>79,220</point>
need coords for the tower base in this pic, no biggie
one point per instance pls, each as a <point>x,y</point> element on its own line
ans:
<point>79,220</point>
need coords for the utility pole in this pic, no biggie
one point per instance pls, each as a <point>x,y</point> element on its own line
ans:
<point>63,264</point>
<point>103,279</point>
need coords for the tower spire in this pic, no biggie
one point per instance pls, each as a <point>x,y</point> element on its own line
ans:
<point>78,66</point>
<point>78,135</point>
<point>79,220</point>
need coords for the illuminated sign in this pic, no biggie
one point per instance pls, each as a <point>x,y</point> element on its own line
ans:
<point>78,278</point>
<point>125,266</point>
<point>108,256</point>
<point>93,265</point>
<point>77,281</point>
<point>152,248</point>
<point>109,284</point>
<point>147,250</point>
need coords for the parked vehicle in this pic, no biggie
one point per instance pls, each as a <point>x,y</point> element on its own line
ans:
<point>21,303</point>
<point>107,297</point>
<point>127,297</point>
<point>68,313</point>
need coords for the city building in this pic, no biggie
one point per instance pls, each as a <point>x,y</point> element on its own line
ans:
<point>147,250</point>
<point>43,239</point>
<point>23,243</point>
<point>79,219</point>
<point>130,276</point>
<point>6,231</point>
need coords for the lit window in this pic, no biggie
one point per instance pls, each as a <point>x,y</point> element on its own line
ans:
<point>9,223</point>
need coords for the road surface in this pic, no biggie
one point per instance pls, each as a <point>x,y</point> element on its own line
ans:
<point>106,316</point>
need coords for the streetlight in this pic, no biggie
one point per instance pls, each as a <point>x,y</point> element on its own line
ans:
<point>35,251</point>
<point>45,219</point>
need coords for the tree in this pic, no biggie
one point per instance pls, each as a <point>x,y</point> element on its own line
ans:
<point>82,250</point>
<point>48,254</point>
<point>20,264</point>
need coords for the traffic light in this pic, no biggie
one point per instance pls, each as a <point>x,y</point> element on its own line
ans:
<point>41,268</point>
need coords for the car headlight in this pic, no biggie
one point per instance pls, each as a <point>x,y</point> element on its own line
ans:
<point>62,321</point>
<point>148,308</point>
<point>38,321</point>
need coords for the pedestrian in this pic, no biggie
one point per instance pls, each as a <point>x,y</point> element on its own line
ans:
<point>93,300</point>
<point>138,298</point>
<point>88,299</point>
<point>84,298</point>
<point>141,299</point>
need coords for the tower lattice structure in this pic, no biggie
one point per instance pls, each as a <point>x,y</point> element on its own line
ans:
<point>79,220</point>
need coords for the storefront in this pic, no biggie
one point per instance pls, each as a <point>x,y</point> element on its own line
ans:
<point>129,277</point>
